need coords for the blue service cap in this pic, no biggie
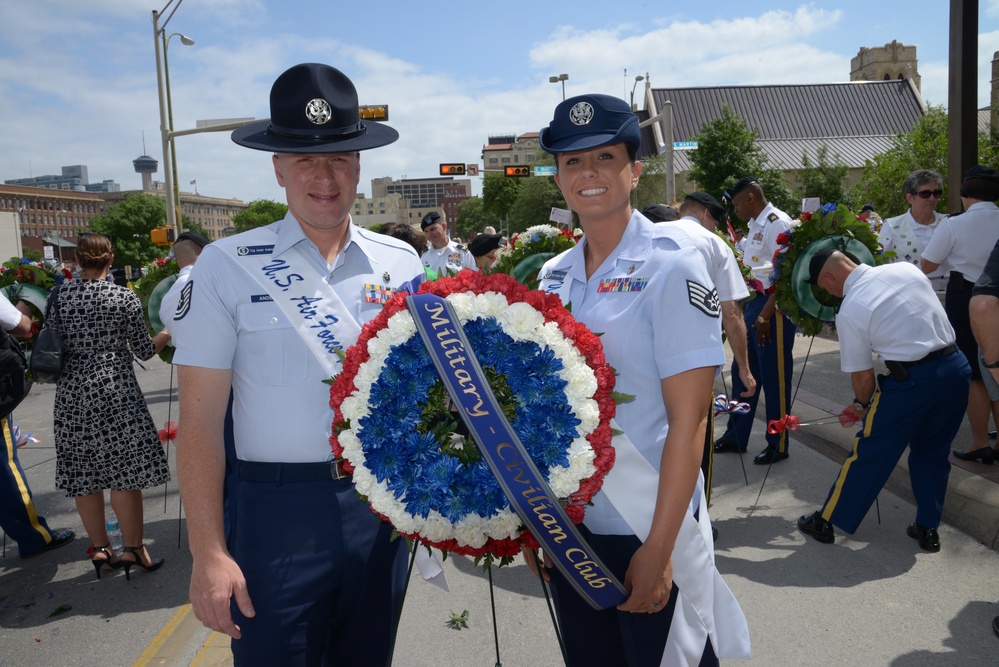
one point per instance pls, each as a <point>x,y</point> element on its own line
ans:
<point>590,121</point>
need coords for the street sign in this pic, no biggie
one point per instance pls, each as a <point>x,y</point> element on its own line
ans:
<point>472,169</point>
<point>545,170</point>
<point>684,145</point>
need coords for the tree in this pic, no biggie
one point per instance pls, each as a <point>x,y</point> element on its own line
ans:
<point>922,147</point>
<point>536,197</point>
<point>499,193</point>
<point>189,225</point>
<point>260,212</point>
<point>727,151</point>
<point>652,185</point>
<point>129,223</point>
<point>472,217</point>
<point>823,179</point>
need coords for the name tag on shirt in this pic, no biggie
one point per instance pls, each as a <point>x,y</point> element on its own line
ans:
<point>622,285</point>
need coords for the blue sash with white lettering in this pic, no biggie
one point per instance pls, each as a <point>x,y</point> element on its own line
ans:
<point>524,486</point>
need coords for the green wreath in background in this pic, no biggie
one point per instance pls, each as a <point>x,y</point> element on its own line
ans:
<point>807,305</point>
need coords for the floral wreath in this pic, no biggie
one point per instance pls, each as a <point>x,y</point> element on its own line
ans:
<point>23,279</point>
<point>830,220</point>
<point>523,256</point>
<point>151,288</point>
<point>395,430</point>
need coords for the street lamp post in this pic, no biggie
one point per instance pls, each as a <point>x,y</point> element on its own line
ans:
<point>186,41</point>
<point>637,79</point>
<point>556,79</point>
<point>162,90</point>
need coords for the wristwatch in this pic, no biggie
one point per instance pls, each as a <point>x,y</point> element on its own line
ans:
<point>857,405</point>
<point>995,364</point>
<point>761,320</point>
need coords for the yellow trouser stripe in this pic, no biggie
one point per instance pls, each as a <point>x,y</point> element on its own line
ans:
<point>830,506</point>
<point>22,485</point>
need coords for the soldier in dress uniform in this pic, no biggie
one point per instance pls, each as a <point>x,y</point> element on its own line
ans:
<point>444,256</point>
<point>770,333</point>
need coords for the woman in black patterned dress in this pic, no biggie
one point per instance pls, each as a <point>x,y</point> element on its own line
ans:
<point>104,435</point>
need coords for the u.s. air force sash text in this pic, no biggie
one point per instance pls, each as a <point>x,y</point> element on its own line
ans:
<point>296,286</point>
<point>524,486</point>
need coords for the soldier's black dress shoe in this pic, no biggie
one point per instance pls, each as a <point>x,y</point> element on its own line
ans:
<point>995,625</point>
<point>768,456</point>
<point>725,446</point>
<point>59,538</point>
<point>927,537</point>
<point>816,527</point>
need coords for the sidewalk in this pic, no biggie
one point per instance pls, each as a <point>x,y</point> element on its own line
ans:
<point>870,599</point>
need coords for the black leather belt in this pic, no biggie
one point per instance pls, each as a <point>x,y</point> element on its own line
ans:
<point>279,473</point>
<point>935,354</point>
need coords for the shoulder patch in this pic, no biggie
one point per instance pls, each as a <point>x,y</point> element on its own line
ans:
<point>773,216</point>
<point>184,304</point>
<point>704,299</point>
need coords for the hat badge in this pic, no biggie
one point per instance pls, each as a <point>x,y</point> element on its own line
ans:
<point>581,113</point>
<point>318,111</point>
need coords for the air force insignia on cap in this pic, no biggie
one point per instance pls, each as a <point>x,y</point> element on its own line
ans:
<point>581,113</point>
<point>704,299</point>
<point>184,304</point>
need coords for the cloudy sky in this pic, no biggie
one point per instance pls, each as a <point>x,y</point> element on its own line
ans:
<point>78,81</point>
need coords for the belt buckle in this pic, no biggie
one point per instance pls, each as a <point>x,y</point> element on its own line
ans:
<point>336,469</point>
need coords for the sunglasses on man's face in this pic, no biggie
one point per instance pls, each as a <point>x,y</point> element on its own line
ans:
<point>926,194</point>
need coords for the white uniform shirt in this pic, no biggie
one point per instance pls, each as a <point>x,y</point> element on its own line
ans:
<point>760,242</point>
<point>10,316</point>
<point>907,239</point>
<point>171,300</point>
<point>448,260</point>
<point>281,409</point>
<point>652,303</point>
<point>892,311</point>
<point>719,258</point>
<point>964,242</point>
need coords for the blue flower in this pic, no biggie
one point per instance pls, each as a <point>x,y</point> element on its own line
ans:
<point>828,208</point>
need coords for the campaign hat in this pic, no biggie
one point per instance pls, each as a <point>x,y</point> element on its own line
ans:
<point>590,121</point>
<point>429,219</point>
<point>314,110</point>
<point>716,210</point>
<point>483,244</point>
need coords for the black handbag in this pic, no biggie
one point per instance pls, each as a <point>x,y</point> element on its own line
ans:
<point>46,357</point>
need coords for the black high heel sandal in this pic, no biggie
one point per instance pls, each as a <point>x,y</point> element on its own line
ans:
<point>99,563</point>
<point>156,564</point>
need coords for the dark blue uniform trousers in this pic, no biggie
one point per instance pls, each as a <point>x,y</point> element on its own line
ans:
<point>18,516</point>
<point>923,412</point>
<point>608,637</point>
<point>322,571</point>
<point>771,365</point>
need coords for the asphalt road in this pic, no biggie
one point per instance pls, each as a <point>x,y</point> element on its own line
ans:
<point>870,599</point>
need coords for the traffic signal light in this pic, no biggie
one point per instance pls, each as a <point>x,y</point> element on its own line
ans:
<point>373,112</point>
<point>517,172</point>
<point>452,169</point>
<point>163,236</point>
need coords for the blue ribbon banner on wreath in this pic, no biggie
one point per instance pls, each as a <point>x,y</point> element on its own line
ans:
<point>522,483</point>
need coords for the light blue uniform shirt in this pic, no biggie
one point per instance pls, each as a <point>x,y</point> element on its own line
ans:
<point>658,315</point>
<point>281,408</point>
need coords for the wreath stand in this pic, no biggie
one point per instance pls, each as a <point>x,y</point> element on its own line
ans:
<point>415,544</point>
